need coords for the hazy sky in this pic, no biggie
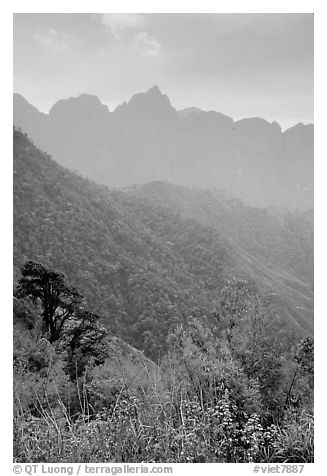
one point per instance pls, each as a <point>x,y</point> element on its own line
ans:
<point>243,65</point>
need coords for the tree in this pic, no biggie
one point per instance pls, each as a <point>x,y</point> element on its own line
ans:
<point>255,338</point>
<point>235,299</point>
<point>59,302</point>
<point>301,385</point>
<point>83,340</point>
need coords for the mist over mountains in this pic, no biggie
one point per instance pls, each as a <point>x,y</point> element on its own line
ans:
<point>148,256</point>
<point>163,253</point>
<point>146,139</point>
<point>181,296</point>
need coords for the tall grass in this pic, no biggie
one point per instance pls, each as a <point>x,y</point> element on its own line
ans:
<point>161,419</point>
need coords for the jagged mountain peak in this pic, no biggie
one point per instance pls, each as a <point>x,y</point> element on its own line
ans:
<point>155,90</point>
<point>257,124</point>
<point>300,128</point>
<point>146,139</point>
<point>189,111</point>
<point>21,104</point>
<point>84,103</point>
<point>152,103</point>
<point>18,97</point>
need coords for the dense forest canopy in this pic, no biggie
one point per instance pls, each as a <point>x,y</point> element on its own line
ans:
<point>150,262</point>
<point>158,323</point>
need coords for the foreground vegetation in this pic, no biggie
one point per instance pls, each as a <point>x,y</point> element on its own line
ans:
<point>147,332</point>
<point>233,387</point>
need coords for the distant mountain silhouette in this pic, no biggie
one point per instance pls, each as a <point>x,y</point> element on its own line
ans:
<point>189,110</point>
<point>150,105</point>
<point>146,139</point>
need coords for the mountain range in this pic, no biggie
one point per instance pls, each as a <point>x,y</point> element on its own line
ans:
<point>146,139</point>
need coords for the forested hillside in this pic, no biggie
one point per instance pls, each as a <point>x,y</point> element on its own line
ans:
<point>273,246</point>
<point>142,265</point>
<point>147,330</point>
<point>281,237</point>
<point>142,271</point>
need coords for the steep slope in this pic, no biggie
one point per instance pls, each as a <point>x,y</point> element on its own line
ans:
<point>146,139</point>
<point>140,266</point>
<point>274,247</point>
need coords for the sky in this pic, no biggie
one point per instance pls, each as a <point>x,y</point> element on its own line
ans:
<point>243,65</point>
